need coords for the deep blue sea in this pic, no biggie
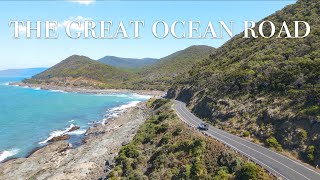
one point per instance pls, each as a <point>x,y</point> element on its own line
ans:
<point>28,117</point>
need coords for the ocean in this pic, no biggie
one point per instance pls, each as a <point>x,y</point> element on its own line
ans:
<point>29,117</point>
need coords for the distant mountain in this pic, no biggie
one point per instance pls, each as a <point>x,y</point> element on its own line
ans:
<point>81,71</point>
<point>21,72</point>
<point>160,74</point>
<point>127,63</point>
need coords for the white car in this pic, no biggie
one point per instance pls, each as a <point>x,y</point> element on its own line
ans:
<point>204,126</point>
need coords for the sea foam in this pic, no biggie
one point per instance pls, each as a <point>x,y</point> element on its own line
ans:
<point>116,111</point>
<point>57,133</point>
<point>8,153</point>
<point>113,95</point>
<point>129,95</point>
<point>6,84</point>
<point>60,91</point>
<point>126,106</point>
<point>141,96</point>
<point>77,132</point>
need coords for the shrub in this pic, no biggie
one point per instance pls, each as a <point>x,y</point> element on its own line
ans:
<point>310,157</point>
<point>187,171</point>
<point>155,104</point>
<point>147,139</point>
<point>159,162</point>
<point>198,147</point>
<point>162,117</point>
<point>246,134</point>
<point>164,140</point>
<point>311,149</point>
<point>198,170</point>
<point>249,171</point>
<point>163,128</point>
<point>222,174</point>
<point>177,131</point>
<point>150,102</point>
<point>302,135</point>
<point>130,151</point>
<point>312,111</point>
<point>273,143</point>
<point>310,153</point>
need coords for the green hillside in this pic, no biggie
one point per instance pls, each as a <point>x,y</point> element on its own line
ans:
<point>82,71</point>
<point>161,74</point>
<point>127,63</point>
<point>85,72</point>
<point>267,89</point>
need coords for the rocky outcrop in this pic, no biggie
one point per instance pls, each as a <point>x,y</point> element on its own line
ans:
<point>60,138</point>
<point>73,128</point>
<point>182,94</point>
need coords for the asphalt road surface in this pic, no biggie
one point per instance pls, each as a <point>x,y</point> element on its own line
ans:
<point>280,165</point>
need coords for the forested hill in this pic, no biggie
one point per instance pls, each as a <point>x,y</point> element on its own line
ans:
<point>82,71</point>
<point>127,63</point>
<point>268,89</point>
<point>161,74</point>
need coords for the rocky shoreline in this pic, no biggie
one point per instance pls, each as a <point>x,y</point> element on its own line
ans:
<point>87,90</point>
<point>91,160</point>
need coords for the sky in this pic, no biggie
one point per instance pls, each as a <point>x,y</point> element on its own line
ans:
<point>29,53</point>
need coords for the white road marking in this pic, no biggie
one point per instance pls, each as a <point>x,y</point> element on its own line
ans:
<point>191,118</point>
<point>251,157</point>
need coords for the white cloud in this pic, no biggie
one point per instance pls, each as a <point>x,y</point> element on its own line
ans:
<point>75,26</point>
<point>84,2</point>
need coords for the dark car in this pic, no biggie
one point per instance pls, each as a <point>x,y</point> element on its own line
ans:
<point>204,126</point>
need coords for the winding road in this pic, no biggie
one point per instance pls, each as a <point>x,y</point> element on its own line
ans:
<point>280,165</point>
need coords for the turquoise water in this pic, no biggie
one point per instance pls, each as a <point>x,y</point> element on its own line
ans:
<point>28,117</point>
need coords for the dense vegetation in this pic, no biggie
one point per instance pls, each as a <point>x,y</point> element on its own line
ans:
<point>84,72</point>
<point>268,89</point>
<point>164,72</point>
<point>165,148</point>
<point>127,63</point>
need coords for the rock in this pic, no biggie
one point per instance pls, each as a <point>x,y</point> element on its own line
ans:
<point>74,128</point>
<point>58,160</point>
<point>60,138</point>
<point>126,142</point>
<point>85,140</point>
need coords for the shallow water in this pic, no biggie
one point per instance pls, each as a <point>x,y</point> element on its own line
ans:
<point>28,117</point>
